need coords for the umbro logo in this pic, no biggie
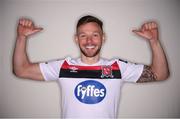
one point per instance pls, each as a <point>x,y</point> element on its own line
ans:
<point>73,69</point>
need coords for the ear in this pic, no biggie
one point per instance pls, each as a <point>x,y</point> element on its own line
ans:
<point>103,38</point>
<point>76,38</point>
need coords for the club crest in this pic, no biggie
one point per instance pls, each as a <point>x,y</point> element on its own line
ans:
<point>106,72</point>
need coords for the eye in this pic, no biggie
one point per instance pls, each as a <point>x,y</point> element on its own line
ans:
<point>82,35</point>
<point>96,35</point>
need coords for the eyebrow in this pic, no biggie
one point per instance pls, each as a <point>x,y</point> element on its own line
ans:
<point>85,33</point>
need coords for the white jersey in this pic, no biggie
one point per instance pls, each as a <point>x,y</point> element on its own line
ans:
<point>90,91</point>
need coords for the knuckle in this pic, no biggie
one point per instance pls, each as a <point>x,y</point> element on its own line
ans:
<point>25,22</point>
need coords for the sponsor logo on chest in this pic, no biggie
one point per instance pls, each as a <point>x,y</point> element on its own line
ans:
<point>90,92</point>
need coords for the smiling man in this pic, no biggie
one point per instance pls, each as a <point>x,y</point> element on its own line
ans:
<point>90,84</point>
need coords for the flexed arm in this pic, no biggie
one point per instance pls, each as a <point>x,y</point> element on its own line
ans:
<point>22,67</point>
<point>158,70</point>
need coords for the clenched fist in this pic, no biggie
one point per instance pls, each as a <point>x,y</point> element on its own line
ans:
<point>148,31</point>
<point>26,28</point>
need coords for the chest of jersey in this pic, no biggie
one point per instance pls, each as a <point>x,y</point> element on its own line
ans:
<point>90,97</point>
<point>90,91</point>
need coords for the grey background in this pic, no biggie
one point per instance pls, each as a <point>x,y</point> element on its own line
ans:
<point>26,98</point>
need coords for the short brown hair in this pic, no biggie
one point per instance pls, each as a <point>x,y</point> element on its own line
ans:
<point>87,19</point>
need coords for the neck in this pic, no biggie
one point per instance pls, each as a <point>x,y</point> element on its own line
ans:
<point>90,60</point>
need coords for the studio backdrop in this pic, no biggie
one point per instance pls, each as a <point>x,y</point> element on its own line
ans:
<point>27,98</point>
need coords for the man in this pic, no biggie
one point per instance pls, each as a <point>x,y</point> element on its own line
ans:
<point>90,85</point>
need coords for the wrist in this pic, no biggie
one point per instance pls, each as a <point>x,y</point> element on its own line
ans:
<point>155,44</point>
<point>21,37</point>
<point>154,41</point>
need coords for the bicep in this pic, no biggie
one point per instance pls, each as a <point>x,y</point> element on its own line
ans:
<point>147,75</point>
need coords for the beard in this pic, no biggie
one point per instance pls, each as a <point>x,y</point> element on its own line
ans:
<point>93,54</point>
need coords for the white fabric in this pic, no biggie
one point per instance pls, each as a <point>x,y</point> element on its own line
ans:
<point>71,88</point>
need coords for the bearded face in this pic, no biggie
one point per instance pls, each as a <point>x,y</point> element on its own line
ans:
<point>90,39</point>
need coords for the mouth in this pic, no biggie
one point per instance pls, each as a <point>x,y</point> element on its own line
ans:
<point>90,50</point>
<point>90,46</point>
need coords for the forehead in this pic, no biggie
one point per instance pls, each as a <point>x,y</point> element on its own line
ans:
<point>91,26</point>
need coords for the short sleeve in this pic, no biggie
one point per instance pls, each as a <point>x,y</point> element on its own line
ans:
<point>130,72</point>
<point>50,70</point>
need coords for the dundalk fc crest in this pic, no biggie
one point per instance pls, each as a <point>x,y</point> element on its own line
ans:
<point>107,72</point>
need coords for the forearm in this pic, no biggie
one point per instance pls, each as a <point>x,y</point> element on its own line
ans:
<point>158,69</point>
<point>20,58</point>
<point>159,63</point>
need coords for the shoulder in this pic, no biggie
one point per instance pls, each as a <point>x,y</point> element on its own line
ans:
<point>118,61</point>
<point>105,61</point>
<point>56,62</point>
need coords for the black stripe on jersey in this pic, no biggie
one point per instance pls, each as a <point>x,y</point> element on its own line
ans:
<point>67,73</point>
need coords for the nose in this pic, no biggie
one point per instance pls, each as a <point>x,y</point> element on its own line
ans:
<point>89,39</point>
